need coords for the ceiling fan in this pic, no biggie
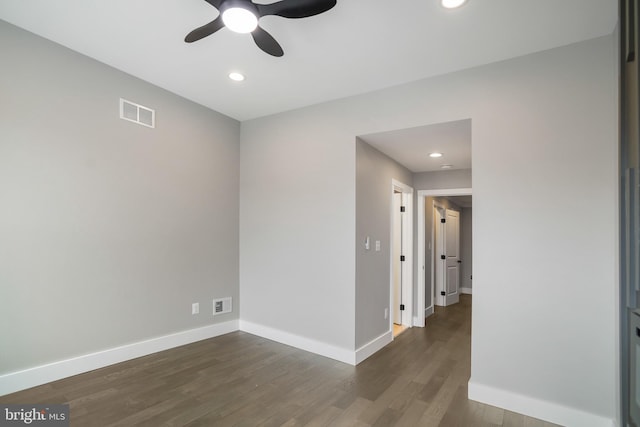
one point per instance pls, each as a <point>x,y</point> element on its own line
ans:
<point>242,16</point>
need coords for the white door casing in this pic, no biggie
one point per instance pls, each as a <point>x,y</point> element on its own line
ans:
<point>406,243</point>
<point>397,265</point>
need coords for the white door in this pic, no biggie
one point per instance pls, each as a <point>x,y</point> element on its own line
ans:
<point>452,255</point>
<point>447,256</point>
<point>397,265</point>
<point>438,263</point>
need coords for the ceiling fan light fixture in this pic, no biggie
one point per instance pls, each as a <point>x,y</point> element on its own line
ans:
<point>239,20</point>
<point>452,4</point>
<point>242,16</point>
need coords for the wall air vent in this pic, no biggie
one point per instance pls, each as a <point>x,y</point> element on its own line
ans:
<point>137,113</point>
<point>222,306</point>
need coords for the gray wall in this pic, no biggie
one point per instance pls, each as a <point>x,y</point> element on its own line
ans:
<point>374,174</point>
<point>466,244</point>
<point>297,227</point>
<point>529,115</point>
<point>456,178</point>
<point>108,230</point>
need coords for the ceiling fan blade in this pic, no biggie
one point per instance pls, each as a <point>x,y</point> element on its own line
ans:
<point>214,3</point>
<point>295,8</point>
<point>266,42</point>
<point>205,30</point>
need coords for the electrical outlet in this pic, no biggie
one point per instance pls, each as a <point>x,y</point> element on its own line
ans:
<point>195,308</point>
<point>377,245</point>
<point>386,313</point>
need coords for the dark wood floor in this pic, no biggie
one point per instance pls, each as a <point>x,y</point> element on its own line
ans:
<point>241,380</point>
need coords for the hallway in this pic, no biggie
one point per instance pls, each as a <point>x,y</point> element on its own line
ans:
<point>421,378</point>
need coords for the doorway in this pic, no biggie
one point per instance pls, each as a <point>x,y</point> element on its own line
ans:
<point>426,300</point>
<point>401,280</point>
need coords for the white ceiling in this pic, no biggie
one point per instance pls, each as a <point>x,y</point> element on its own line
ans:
<point>357,47</point>
<point>462,201</point>
<point>411,147</point>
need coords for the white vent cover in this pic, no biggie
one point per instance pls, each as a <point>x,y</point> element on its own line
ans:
<point>137,113</point>
<point>222,306</point>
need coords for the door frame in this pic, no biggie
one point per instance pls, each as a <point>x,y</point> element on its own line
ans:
<point>419,320</point>
<point>407,250</point>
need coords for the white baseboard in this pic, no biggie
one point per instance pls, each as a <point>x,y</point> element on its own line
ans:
<point>373,346</point>
<point>466,291</point>
<point>297,341</point>
<point>20,380</point>
<point>541,409</point>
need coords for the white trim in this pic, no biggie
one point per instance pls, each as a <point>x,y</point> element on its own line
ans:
<point>297,341</point>
<point>373,346</point>
<point>432,259</point>
<point>422,195</point>
<point>407,250</point>
<point>445,192</point>
<point>20,380</point>
<point>467,291</point>
<point>536,408</point>
<point>427,312</point>
<point>419,321</point>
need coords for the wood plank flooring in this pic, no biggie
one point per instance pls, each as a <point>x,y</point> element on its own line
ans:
<point>242,380</point>
<point>398,329</point>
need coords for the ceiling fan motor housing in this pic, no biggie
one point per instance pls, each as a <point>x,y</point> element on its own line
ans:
<point>242,4</point>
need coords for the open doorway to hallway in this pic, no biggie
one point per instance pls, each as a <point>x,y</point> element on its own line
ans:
<point>445,255</point>
<point>425,157</point>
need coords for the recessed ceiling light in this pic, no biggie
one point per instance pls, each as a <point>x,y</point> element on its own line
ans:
<point>237,77</point>
<point>239,19</point>
<point>452,4</point>
<point>435,155</point>
<point>446,166</point>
